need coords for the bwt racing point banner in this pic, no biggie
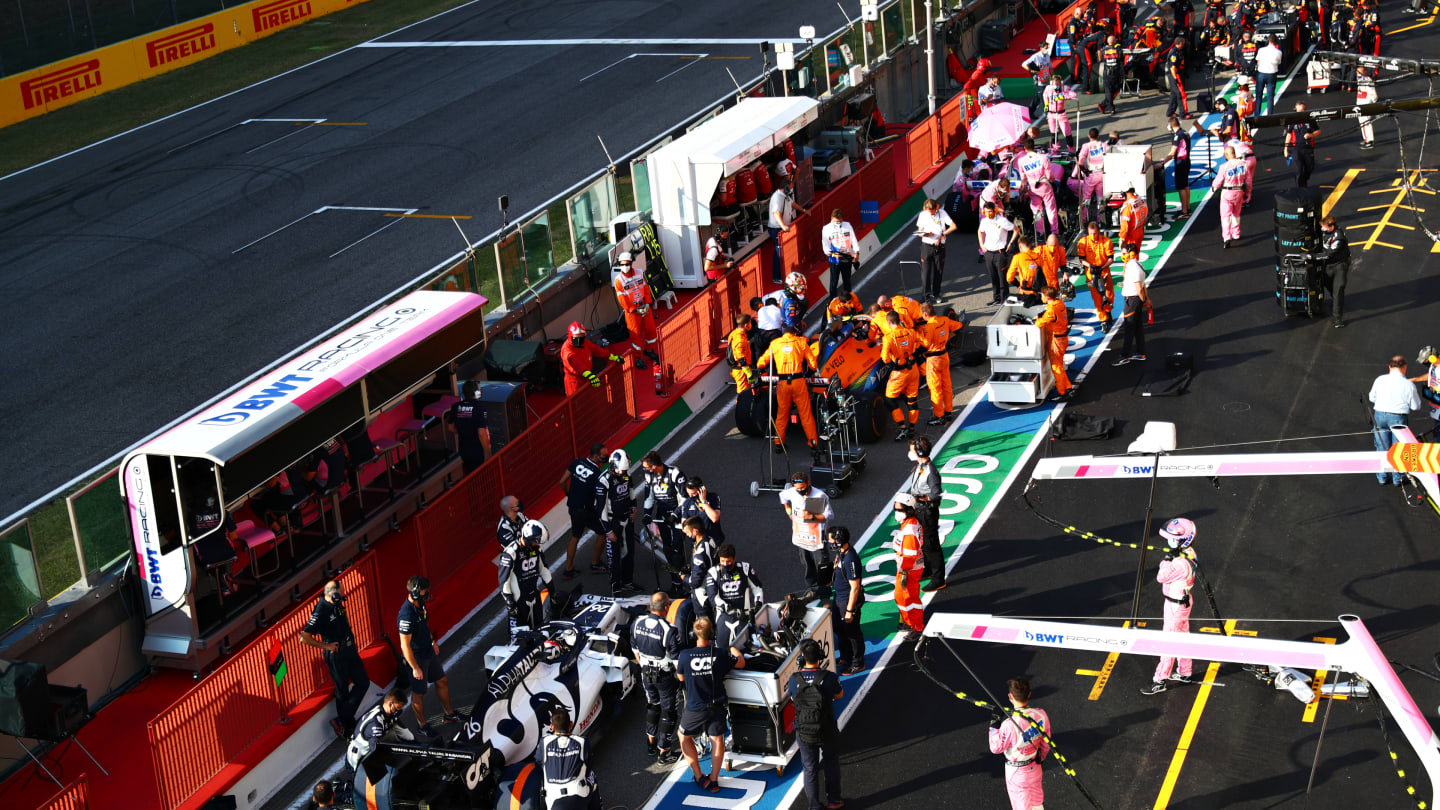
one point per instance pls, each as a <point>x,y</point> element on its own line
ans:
<point>36,92</point>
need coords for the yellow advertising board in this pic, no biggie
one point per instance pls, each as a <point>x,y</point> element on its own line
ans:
<point>36,92</point>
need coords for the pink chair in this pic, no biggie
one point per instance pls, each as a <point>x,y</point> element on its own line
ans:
<point>255,537</point>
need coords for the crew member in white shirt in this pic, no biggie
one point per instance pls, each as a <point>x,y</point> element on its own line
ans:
<point>1267,70</point>
<point>996,234</point>
<point>932,226</point>
<point>842,250</point>
<point>1136,291</point>
<point>1394,398</point>
<point>782,216</point>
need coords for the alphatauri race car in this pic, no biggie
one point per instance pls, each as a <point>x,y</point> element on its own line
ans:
<point>581,664</point>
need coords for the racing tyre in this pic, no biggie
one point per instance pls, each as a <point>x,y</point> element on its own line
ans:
<point>750,414</point>
<point>870,416</point>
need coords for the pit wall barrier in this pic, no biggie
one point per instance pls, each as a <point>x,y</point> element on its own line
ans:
<point>60,84</point>
<point>74,796</point>
<point>452,540</point>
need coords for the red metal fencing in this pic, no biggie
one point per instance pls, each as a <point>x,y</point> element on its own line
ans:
<point>198,735</point>
<point>74,796</point>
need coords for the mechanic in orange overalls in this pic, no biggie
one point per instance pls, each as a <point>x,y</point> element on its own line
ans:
<point>901,349</point>
<point>788,358</point>
<point>577,357</point>
<point>907,308</point>
<point>1025,271</point>
<point>1098,253</point>
<point>1052,259</point>
<point>1054,325</point>
<point>842,306</point>
<point>935,334</point>
<point>1132,219</point>
<point>738,354</point>
<point>909,567</point>
<point>636,300</point>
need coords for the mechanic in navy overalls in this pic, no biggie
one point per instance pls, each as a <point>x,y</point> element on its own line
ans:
<point>524,577</point>
<point>703,556</point>
<point>564,762</point>
<point>467,419</point>
<point>617,514</point>
<point>373,777</point>
<point>733,592</point>
<point>653,640</point>
<point>664,486</point>
<point>329,630</point>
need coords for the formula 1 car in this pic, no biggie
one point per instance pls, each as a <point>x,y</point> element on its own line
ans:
<point>580,664</point>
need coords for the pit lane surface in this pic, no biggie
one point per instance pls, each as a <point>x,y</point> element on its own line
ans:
<point>158,268</point>
<point>1307,549</point>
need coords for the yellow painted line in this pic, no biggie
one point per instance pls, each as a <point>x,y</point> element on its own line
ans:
<point>1167,788</point>
<point>333,124</point>
<point>1103,676</point>
<point>1233,631</point>
<point>1339,191</point>
<point>1414,178</point>
<point>428,216</point>
<point>1420,24</point>
<point>1316,683</point>
<point>1087,672</point>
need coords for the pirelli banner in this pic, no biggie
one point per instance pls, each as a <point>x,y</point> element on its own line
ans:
<point>38,91</point>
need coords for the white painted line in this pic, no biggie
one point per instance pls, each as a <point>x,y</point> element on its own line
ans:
<point>634,55</point>
<point>535,43</point>
<point>677,70</point>
<point>291,134</point>
<point>272,233</point>
<point>324,208</point>
<point>392,223</point>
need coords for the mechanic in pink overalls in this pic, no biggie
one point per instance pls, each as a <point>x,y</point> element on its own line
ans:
<point>1022,738</point>
<point>1176,578</point>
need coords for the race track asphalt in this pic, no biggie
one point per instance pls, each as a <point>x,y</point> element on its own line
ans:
<point>125,265</point>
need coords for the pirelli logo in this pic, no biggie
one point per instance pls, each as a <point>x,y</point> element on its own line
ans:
<point>281,12</point>
<point>180,45</point>
<point>58,84</point>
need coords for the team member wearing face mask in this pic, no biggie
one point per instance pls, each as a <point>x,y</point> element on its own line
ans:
<point>420,650</point>
<point>329,629</point>
<point>1176,577</point>
<point>909,567</point>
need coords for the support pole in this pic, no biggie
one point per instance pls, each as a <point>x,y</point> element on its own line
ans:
<point>1144,541</point>
<point>930,54</point>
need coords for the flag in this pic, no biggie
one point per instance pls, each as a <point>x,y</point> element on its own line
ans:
<point>276,660</point>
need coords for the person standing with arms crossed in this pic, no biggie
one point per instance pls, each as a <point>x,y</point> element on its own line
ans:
<point>1135,290</point>
<point>842,250</point>
<point>932,226</point>
<point>1095,249</point>
<point>329,630</point>
<point>924,486</point>
<point>909,567</point>
<point>1021,738</point>
<point>996,234</point>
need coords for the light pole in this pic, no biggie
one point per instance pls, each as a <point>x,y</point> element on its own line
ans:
<point>930,54</point>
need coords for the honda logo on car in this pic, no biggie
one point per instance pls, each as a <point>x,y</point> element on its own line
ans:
<point>1061,640</point>
<point>180,44</point>
<point>284,12</point>
<point>58,84</point>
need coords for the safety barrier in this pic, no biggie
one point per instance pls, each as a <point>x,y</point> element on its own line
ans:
<point>198,735</point>
<point>74,796</point>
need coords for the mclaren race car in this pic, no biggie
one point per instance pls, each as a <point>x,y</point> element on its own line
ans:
<point>580,663</point>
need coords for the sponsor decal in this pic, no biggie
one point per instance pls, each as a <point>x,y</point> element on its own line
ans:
<point>180,45</point>
<point>1061,639</point>
<point>62,83</point>
<point>242,410</point>
<point>280,13</point>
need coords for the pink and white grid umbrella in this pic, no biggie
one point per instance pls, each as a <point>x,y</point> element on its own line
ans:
<point>998,127</point>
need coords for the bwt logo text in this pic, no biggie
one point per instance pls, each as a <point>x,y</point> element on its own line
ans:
<point>283,12</point>
<point>180,44</point>
<point>58,84</point>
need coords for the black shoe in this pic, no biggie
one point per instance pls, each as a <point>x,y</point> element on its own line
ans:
<point>995,302</point>
<point>1370,145</point>
<point>900,435</point>
<point>1154,688</point>
<point>1227,244</point>
<point>650,353</point>
<point>777,449</point>
<point>651,749</point>
<point>934,586</point>
<point>339,728</point>
<point>939,420</point>
<point>598,568</point>
<point>1121,361</point>
<point>1337,325</point>
<point>1178,678</point>
<point>668,757</point>
<point>640,365</point>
